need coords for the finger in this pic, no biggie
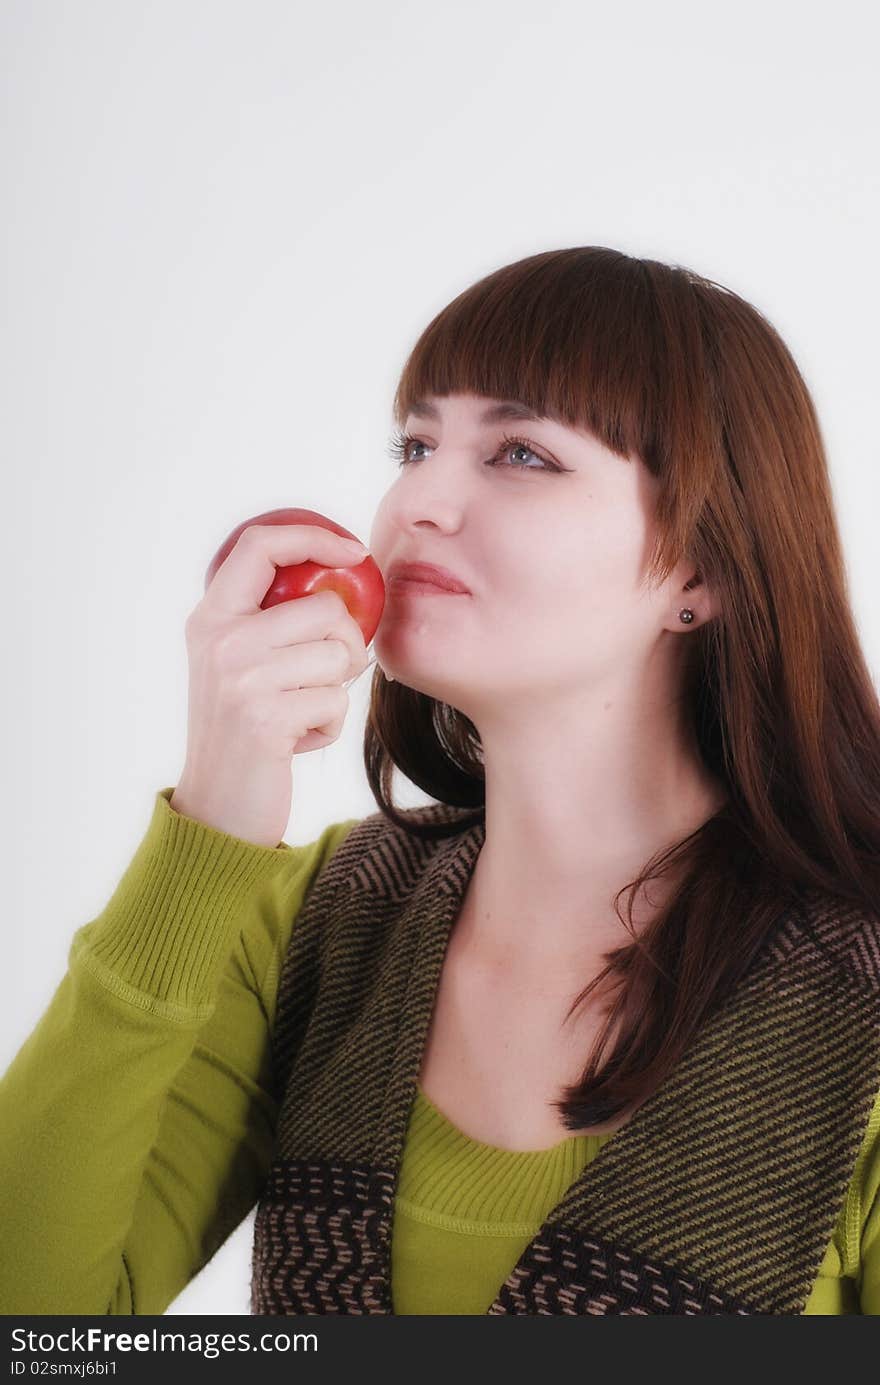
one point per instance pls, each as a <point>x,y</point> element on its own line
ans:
<point>247,573</point>
<point>280,627</point>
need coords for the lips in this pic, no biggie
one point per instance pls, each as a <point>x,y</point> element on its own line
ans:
<point>428,574</point>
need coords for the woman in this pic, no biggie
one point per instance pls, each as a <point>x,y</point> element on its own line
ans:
<point>438,1056</point>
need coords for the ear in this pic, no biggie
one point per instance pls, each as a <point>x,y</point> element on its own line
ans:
<point>697,597</point>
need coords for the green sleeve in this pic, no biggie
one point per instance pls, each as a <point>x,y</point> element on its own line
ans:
<point>136,1123</point>
<point>868,1226</point>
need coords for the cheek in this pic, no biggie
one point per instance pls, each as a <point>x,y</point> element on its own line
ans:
<point>569,596</point>
<point>586,563</point>
<point>379,540</point>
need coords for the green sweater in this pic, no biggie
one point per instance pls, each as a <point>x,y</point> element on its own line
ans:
<point>464,1212</point>
<point>137,1125</point>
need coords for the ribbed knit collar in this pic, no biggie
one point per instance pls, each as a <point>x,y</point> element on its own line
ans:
<point>480,1188</point>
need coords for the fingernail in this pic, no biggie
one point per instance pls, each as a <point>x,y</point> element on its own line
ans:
<point>357,547</point>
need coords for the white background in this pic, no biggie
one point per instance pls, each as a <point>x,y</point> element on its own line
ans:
<point>224,226</point>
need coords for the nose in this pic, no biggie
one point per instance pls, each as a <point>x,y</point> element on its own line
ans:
<point>429,498</point>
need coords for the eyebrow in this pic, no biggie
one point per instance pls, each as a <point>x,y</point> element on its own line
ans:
<point>496,413</point>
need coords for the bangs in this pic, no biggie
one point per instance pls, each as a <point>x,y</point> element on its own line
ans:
<point>579,336</point>
<point>598,340</point>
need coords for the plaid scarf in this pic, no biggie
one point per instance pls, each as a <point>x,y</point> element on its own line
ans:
<point>720,1193</point>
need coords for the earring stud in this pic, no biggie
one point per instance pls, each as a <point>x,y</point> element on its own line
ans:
<point>686,615</point>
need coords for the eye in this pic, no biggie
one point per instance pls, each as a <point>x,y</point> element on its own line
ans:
<point>400,443</point>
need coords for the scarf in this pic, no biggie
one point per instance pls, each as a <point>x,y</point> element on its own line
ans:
<point>718,1195</point>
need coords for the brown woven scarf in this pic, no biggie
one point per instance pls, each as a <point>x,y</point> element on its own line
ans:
<point>720,1193</point>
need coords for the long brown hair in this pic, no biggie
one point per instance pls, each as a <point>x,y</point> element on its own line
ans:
<point>660,362</point>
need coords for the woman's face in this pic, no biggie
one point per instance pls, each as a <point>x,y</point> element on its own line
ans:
<point>552,539</point>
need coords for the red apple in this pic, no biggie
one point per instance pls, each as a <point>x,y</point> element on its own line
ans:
<point>361,587</point>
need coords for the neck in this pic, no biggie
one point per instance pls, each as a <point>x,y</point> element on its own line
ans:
<point>570,824</point>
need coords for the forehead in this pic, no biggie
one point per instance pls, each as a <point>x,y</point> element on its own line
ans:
<point>487,411</point>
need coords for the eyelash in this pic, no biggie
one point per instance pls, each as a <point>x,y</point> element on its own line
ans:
<point>400,443</point>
